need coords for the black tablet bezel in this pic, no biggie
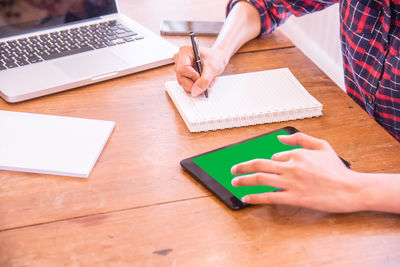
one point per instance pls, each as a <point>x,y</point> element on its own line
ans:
<point>213,185</point>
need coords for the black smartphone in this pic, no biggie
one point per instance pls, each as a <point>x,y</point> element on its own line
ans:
<point>200,28</point>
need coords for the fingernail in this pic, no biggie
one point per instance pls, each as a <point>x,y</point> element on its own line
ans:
<point>233,170</point>
<point>245,199</point>
<point>234,181</point>
<point>280,137</point>
<point>196,91</point>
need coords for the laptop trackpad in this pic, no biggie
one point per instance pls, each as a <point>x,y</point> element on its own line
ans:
<point>93,64</point>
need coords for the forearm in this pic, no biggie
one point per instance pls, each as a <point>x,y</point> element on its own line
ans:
<point>242,24</point>
<point>379,192</point>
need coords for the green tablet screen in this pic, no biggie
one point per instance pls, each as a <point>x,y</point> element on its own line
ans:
<point>218,164</point>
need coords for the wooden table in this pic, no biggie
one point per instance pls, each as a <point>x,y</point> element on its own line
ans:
<point>138,206</point>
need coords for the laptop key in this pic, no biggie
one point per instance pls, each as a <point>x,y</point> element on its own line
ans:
<point>98,46</point>
<point>67,53</point>
<point>11,65</point>
<point>127,34</point>
<point>120,31</point>
<point>52,51</point>
<point>23,63</point>
<point>35,60</point>
<point>63,49</point>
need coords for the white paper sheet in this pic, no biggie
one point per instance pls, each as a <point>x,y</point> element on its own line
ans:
<point>51,144</point>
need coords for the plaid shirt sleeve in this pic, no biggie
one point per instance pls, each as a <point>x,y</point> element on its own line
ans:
<point>370,41</point>
<point>275,12</point>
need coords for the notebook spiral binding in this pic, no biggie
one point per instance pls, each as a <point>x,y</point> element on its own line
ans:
<point>254,119</point>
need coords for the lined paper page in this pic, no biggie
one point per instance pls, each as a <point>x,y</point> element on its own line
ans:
<point>243,99</point>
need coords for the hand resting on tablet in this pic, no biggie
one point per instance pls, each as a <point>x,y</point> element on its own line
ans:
<point>314,177</point>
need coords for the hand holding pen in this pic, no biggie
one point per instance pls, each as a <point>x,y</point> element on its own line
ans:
<point>197,56</point>
<point>213,62</point>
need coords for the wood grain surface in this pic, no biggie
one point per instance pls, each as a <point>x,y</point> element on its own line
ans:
<point>138,207</point>
<point>202,232</point>
<point>140,164</point>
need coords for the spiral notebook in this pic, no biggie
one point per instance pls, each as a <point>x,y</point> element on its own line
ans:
<point>245,99</point>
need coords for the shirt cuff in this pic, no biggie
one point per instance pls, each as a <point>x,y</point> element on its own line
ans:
<point>261,8</point>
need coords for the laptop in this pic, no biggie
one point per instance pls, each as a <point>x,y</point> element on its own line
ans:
<point>48,46</point>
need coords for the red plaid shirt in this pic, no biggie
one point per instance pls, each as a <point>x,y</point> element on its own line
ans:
<point>370,34</point>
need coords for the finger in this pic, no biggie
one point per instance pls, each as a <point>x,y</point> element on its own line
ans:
<point>257,165</point>
<point>184,57</point>
<point>188,72</point>
<point>303,140</point>
<point>186,77</point>
<point>186,83</point>
<point>213,81</point>
<point>282,156</point>
<point>269,198</point>
<point>260,179</point>
<point>176,57</point>
<point>211,86</point>
<point>204,82</point>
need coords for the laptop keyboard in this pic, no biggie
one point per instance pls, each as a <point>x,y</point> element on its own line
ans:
<point>63,43</point>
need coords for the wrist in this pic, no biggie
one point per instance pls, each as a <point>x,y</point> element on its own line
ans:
<point>223,52</point>
<point>366,197</point>
<point>354,195</point>
<point>242,24</point>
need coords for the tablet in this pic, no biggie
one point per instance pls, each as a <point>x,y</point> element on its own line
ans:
<point>213,168</point>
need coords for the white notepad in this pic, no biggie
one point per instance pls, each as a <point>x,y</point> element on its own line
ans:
<point>51,144</point>
<point>245,99</point>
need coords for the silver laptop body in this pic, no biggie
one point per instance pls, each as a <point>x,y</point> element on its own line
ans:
<point>37,75</point>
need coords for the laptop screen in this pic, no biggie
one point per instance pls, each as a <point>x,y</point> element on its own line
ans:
<point>23,16</point>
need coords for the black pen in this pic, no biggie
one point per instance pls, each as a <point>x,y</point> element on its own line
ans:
<point>197,56</point>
